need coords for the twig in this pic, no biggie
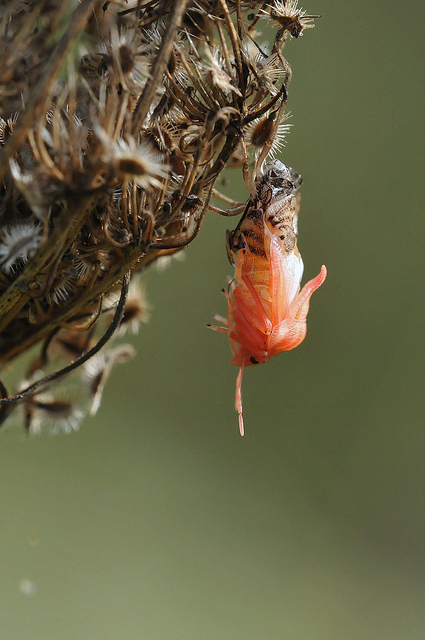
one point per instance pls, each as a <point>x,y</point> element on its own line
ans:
<point>148,93</point>
<point>119,313</point>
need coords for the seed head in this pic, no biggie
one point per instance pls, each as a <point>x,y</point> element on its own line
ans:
<point>18,244</point>
<point>292,19</point>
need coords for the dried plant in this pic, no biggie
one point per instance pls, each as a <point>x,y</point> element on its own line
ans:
<point>117,118</point>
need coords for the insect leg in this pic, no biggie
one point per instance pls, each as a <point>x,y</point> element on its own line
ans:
<point>219,329</point>
<point>259,305</point>
<point>223,321</point>
<point>220,318</point>
<point>251,328</point>
<point>251,322</point>
<point>234,211</point>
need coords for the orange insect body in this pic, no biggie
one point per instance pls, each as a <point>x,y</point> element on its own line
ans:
<point>267,312</point>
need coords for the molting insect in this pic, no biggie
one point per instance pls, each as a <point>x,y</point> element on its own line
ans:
<point>267,312</point>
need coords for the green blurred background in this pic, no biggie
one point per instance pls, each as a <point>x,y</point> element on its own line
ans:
<point>157,520</point>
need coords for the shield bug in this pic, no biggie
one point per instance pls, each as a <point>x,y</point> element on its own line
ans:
<point>266,310</point>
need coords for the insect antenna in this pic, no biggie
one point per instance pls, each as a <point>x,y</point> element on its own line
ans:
<point>238,399</point>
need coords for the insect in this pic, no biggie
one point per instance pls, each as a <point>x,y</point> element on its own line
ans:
<point>266,311</point>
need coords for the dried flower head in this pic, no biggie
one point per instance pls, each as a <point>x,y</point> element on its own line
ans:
<point>98,369</point>
<point>216,74</point>
<point>61,411</point>
<point>53,415</point>
<point>126,51</point>
<point>265,129</point>
<point>291,18</point>
<point>133,161</point>
<point>117,120</point>
<point>18,244</point>
<point>266,69</point>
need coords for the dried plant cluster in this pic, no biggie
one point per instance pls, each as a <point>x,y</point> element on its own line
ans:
<point>117,118</point>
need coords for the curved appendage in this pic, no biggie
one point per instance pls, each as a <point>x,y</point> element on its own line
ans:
<point>293,329</point>
<point>301,304</point>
